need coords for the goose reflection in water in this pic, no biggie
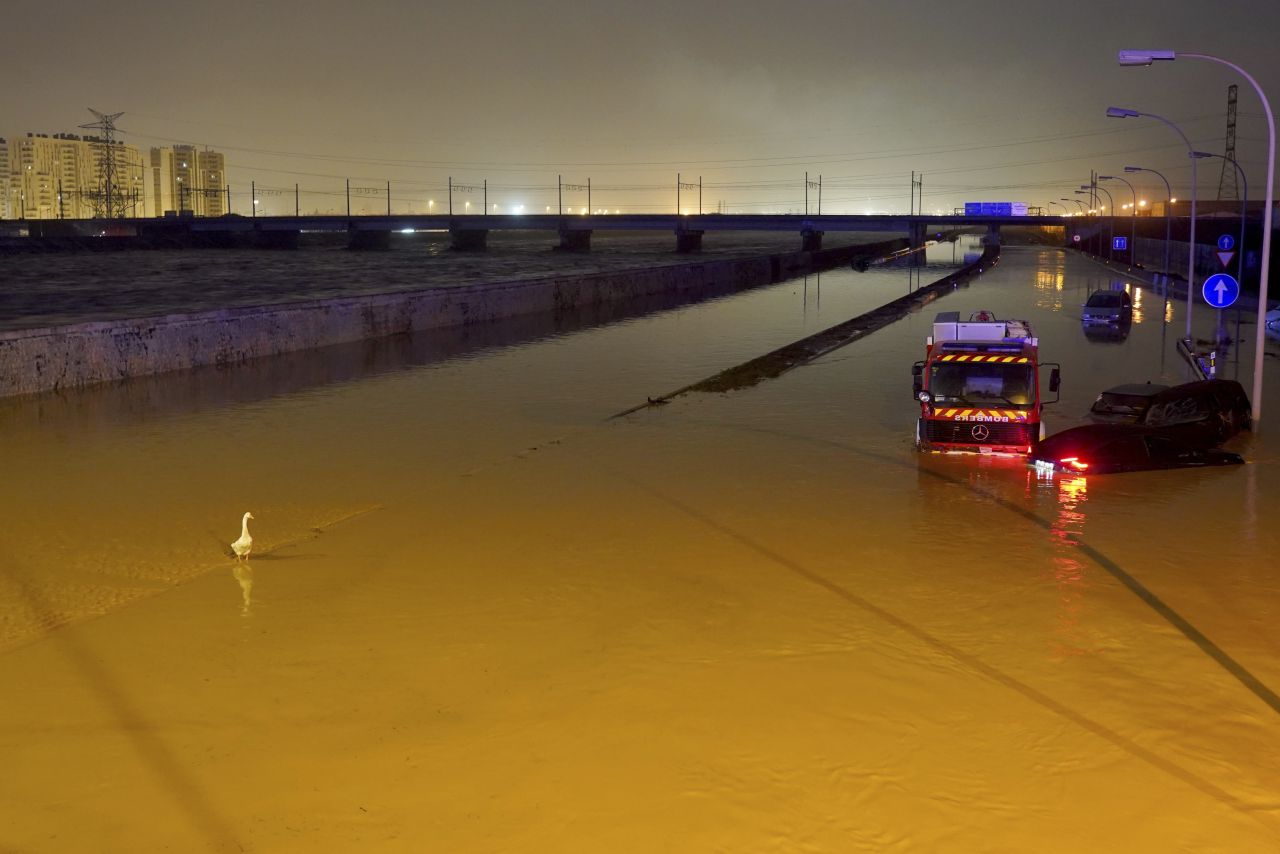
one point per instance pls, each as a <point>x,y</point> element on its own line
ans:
<point>243,573</point>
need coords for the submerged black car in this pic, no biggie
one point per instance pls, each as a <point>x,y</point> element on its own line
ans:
<point>1107,307</point>
<point>1113,448</point>
<point>1205,413</point>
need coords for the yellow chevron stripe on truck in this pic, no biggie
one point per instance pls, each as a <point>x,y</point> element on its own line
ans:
<point>968,357</point>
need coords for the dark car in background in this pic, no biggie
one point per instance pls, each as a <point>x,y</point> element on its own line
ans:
<point>1205,413</point>
<point>1107,306</point>
<point>1114,448</point>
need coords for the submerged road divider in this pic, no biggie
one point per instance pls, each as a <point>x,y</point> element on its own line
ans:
<point>774,364</point>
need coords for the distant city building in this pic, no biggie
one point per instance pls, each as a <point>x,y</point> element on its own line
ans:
<point>69,177</point>
<point>64,176</point>
<point>184,178</point>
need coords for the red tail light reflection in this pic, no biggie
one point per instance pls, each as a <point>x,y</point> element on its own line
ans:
<point>1074,462</point>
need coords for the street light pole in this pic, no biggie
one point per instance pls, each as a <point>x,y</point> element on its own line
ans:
<point>1121,113</point>
<point>1133,221</point>
<point>1244,206</point>
<point>1059,204</point>
<point>1168,207</point>
<point>1146,57</point>
<point>1078,202</point>
<point>1111,221</point>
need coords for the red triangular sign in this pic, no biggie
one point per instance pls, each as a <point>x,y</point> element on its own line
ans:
<point>1225,257</point>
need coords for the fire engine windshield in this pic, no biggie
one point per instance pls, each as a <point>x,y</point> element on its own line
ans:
<point>983,383</point>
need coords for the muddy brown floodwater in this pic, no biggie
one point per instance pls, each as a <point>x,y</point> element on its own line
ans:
<point>480,616</point>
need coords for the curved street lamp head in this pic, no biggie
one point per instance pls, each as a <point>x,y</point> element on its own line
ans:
<point>1144,57</point>
<point>1201,155</point>
<point>1134,169</point>
<point>1122,113</point>
<point>1106,177</point>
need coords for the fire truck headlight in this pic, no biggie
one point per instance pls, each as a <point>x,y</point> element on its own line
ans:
<point>925,397</point>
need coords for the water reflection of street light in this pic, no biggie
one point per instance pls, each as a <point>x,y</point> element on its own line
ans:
<point>1121,113</point>
<point>1168,209</point>
<point>1146,57</point>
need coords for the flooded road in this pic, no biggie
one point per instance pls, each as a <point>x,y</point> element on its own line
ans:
<point>481,617</point>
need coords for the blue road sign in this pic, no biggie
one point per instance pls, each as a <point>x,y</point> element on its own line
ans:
<point>1226,243</point>
<point>1220,290</point>
<point>1121,243</point>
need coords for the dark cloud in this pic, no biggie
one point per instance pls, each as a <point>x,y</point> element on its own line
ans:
<point>990,100</point>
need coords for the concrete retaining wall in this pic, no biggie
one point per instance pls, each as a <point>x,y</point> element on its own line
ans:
<point>52,358</point>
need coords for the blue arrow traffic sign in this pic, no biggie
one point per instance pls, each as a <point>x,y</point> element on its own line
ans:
<point>1220,290</point>
<point>1226,243</point>
<point>1120,243</point>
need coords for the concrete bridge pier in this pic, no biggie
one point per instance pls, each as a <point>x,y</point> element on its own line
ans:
<point>574,240</point>
<point>363,240</point>
<point>688,241</point>
<point>992,237</point>
<point>916,237</point>
<point>811,240</point>
<point>468,239</point>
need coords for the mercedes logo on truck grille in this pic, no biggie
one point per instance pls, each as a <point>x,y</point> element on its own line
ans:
<point>981,432</point>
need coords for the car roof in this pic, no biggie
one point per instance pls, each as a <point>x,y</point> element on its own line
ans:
<point>1137,389</point>
<point>1089,437</point>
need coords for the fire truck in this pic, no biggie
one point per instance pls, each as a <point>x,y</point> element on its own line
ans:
<point>979,386</point>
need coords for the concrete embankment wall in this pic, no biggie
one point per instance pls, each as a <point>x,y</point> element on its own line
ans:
<point>33,361</point>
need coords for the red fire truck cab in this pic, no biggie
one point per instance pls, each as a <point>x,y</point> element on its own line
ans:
<point>979,386</point>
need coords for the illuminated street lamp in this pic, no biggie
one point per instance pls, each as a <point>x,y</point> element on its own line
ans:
<point>1133,222</point>
<point>1168,207</point>
<point>1059,204</point>
<point>1146,57</point>
<point>1121,113</point>
<point>1078,202</point>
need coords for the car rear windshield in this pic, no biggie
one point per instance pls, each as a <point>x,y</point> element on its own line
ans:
<point>1105,300</point>
<point>1121,404</point>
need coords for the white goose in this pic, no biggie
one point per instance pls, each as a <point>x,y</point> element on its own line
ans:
<point>242,546</point>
